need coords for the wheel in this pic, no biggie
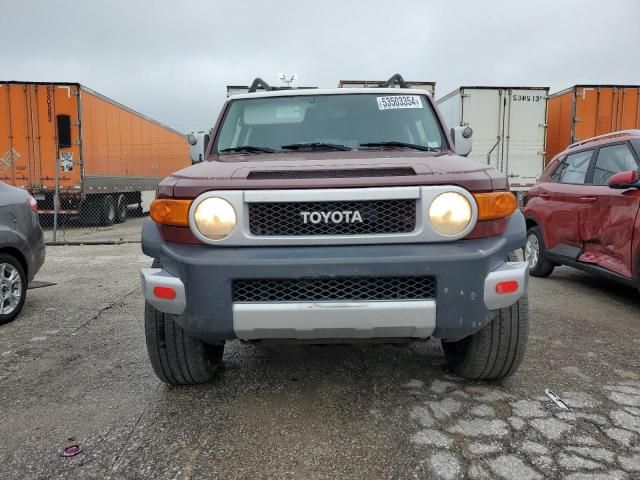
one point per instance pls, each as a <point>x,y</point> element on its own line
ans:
<point>176,357</point>
<point>121,209</point>
<point>13,288</point>
<point>539,266</point>
<point>107,211</point>
<point>497,350</point>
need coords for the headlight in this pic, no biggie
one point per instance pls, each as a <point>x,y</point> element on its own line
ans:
<point>450,213</point>
<point>215,218</point>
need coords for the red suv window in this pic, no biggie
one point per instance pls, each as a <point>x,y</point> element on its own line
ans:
<point>573,168</point>
<point>611,160</point>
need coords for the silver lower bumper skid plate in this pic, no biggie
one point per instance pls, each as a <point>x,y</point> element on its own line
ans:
<point>318,320</point>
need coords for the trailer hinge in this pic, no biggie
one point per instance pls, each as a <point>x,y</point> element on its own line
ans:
<point>543,125</point>
<point>77,142</point>
<point>464,124</point>
<point>465,95</point>
<point>577,119</point>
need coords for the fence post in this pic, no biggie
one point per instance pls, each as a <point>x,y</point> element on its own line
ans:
<point>56,201</point>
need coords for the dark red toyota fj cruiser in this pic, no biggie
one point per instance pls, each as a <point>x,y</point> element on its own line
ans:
<point>335,215</point>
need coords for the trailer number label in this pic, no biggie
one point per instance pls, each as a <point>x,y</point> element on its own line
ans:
<point>399,101</point>
<point>528,98</point>
<point>66,161</point>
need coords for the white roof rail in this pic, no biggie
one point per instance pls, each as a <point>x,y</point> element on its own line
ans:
<point>606,135</point>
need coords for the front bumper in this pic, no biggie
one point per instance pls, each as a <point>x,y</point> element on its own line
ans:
<point>466,273</point>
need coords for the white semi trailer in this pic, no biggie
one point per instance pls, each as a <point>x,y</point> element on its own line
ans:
<point>509,128</point>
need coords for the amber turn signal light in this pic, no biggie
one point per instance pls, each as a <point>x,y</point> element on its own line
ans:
<point>495,205</point>
<point>170,212</point>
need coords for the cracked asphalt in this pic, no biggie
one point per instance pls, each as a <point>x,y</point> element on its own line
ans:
<point>74,369</point>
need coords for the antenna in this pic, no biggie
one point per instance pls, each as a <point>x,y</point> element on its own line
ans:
<point>286,79</point>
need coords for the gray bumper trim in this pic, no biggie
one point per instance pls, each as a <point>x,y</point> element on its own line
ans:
<point>156,277</point>
<point>335,320</point>
<point>518,271</point>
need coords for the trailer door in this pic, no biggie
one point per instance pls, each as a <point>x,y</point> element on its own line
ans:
<point>59,130</point>
<point>482,110</point>
<point>524,136</point>
<point>629,110</point>
<point>15,135</point>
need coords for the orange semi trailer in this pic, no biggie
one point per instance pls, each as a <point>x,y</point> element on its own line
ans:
<point>584,111</point>
<point>101,154</point>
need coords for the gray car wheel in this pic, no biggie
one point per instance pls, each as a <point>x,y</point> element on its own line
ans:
<point>13,288</point>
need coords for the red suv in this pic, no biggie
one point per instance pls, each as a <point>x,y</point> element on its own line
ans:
<point>585,211</point>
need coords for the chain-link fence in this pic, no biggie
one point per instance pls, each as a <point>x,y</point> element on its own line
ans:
<point>114,217</point>
<point>523,169</point>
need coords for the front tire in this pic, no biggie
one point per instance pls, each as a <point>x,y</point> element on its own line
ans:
<point>13,288</point>
<point>534,254</point>
<point>497,350</point>
<point>176,357</point>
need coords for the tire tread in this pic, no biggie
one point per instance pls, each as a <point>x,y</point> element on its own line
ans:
<point>497,350</point>
<point>176,357</point>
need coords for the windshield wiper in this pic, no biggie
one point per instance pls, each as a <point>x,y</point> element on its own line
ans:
<point>248,148</point>
<point>315,146</point>
<point>400,144</point>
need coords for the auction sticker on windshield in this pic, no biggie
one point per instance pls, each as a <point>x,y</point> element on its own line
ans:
<point>399,101</point>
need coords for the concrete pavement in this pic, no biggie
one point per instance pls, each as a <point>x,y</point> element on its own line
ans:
<point>74,369</point>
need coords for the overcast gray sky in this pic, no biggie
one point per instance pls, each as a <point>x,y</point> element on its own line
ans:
<point>172,60</point>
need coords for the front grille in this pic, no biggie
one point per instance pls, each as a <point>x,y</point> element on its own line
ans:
<point>342,173</point>
<point>334,289</point>
<point>375,217</point>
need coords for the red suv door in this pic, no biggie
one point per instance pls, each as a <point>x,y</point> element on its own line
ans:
<point>561,199</point>
<point>607,225</point>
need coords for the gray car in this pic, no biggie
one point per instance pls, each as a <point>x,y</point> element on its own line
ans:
<point>22,249</point>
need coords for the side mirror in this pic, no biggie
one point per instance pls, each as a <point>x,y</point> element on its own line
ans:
<point>624,180</point>
<point>197,146</point>
<point>462,140</point>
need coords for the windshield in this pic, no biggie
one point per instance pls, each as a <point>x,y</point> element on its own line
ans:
<point>329,122</point>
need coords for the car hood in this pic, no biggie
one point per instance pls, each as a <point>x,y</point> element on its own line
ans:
<point>335,169</point>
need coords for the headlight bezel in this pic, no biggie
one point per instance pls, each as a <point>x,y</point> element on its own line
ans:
<point>469,212</point>
<point>193,223</point>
